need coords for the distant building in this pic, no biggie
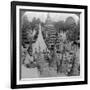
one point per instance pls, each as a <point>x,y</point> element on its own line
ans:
<point>54,39</point>
<point>51,33</point>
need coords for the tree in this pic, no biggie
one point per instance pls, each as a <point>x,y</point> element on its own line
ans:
<point>70,23</point>
<point>29,30</point>
<point>74,33</point>
<point>25,29</point>
<point>73,29</point>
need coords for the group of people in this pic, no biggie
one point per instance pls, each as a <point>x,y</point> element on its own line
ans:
<point>66,62</point>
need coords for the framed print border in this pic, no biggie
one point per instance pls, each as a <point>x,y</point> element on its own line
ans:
<point>13,46</point>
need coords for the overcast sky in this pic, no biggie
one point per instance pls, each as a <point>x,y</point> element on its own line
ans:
<point>54,16</point>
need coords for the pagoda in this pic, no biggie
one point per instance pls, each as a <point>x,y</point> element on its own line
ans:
<point>51,33</point>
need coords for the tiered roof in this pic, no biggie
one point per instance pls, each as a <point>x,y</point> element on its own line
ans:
<point>51,32</point>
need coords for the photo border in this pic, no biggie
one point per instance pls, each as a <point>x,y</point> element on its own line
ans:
<point>13,44</point>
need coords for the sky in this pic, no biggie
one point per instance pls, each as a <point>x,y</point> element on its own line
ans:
<point>54,16</point>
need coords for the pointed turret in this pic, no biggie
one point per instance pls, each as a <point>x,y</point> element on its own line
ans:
<point>48,20</point>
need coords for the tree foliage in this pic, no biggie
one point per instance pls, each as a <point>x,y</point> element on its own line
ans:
<point>69,26</point>
<point>25,29</point>
<point>28,28</point>
<point>73,34</point>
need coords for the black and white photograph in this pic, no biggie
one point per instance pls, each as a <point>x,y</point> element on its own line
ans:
<point>49,44</point>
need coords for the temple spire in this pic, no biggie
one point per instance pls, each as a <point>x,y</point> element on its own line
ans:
<point>48,19</point>
<point>48,16</point>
